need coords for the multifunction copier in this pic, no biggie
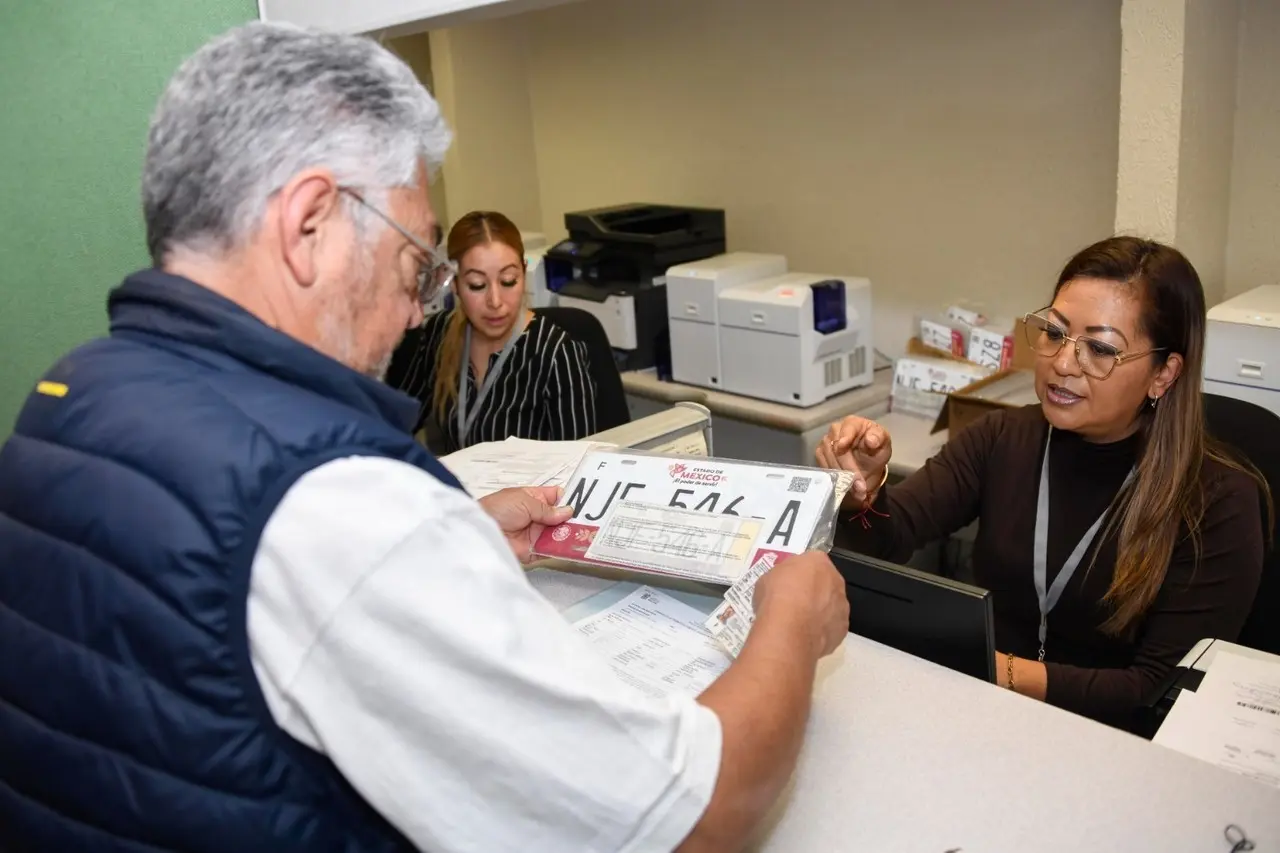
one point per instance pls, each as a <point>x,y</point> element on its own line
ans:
<point>614,265</point>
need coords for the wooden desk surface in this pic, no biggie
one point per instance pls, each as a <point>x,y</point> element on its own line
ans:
<point>762,412</point>
<point>904,755</point>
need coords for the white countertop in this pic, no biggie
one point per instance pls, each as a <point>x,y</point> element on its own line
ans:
<point>762,412</point>
<point>904,755</point>
<point>913,443</point>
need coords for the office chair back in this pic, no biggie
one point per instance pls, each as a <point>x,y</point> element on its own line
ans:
<point>611,399</point>
<point>1251,431</point>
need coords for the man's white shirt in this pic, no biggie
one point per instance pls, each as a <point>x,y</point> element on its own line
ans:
<point>392,630</point>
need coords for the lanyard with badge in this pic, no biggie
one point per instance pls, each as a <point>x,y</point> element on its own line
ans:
<point>1048,598</point>
<point>465,419</point>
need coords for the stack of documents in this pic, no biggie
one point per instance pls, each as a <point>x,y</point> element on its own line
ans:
<point>1232,720</point>
<point>517,462</point>
<point>656,643</point>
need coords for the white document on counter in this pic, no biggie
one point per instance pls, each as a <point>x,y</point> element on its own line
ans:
<point>495,465</point>
<point>1232,720</point>
<point>1248,683</point>
<point>656,643</point>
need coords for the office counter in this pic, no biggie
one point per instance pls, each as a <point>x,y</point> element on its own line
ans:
<point>913,444</point>
<point>904,755</point>
<point>757,430</point>
<point>761,431</point>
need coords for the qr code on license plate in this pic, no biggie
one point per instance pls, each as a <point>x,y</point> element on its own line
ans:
<point>799,485</point>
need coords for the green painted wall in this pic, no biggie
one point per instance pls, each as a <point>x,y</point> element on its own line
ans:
<point>78,80</point>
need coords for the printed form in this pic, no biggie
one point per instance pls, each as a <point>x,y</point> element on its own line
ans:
<point>515,463</point>
<point>656,643</point>
<point>1232,720</point>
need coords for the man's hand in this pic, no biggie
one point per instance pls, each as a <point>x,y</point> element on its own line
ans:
<point>808,591</point>
<point>522,515</point>
<point>861,446</point>
<point>762,700</point>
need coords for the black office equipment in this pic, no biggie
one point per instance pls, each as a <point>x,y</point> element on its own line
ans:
<point>931,617</point>
<point>614,266</point>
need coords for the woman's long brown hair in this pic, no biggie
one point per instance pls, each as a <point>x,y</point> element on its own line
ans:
<point>1170,490</point>
<point>477,228</point>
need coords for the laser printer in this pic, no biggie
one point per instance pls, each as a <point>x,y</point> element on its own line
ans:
<point>1242,348</point>
<point>693,297</point>
<point>614,266</point>
<point>796,338</point>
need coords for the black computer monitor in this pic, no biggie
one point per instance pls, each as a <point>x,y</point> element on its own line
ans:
<point>931,617</point>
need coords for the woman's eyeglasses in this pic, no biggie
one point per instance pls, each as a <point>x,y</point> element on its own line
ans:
<point>435,273</point>
<point>1097,358</point>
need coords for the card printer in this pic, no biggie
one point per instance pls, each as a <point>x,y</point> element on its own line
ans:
<point>796,338</point>
<point>614,266</point>
<point>693,298</point>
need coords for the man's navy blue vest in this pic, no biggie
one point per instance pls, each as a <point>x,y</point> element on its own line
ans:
<point>133,494</point>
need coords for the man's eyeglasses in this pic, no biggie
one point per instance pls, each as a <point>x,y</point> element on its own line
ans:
<point>435,273</point>
<point>1097,358</point>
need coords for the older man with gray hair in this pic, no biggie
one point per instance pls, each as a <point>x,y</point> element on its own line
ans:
<point>242,610</point>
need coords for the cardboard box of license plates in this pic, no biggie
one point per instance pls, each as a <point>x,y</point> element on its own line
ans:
<point>948,389</point>
<point>1003,390</point>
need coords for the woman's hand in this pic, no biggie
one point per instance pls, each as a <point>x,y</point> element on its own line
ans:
<point>522,515</point>
<point>863,447</point>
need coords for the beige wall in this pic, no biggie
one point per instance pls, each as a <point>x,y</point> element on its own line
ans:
<point>943,149</point>
<point>1253,245</point>
<point>1205,155</point>
<point>481,73</point>
<point>416,52</point>
<point>1150,121</point>
<point>1177,113</point>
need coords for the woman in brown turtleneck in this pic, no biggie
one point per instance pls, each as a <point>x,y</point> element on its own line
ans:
<point>1177,554</point>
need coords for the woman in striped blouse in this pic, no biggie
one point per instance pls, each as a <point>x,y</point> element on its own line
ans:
<point>491,368</point>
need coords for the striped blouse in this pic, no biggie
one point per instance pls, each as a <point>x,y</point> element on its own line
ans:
<point>544,391</point>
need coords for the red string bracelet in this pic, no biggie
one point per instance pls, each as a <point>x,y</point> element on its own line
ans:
<point>861,517</point>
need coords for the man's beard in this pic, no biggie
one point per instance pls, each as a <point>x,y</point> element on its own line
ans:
<point>340,324</point>
<point>379,370</point>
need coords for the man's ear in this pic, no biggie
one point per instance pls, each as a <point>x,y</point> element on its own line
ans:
<point>306,203</point>
<point>1165,376</point>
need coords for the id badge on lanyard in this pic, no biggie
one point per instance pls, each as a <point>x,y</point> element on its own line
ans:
<point>466,420</point>
<point>1048,598</point>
